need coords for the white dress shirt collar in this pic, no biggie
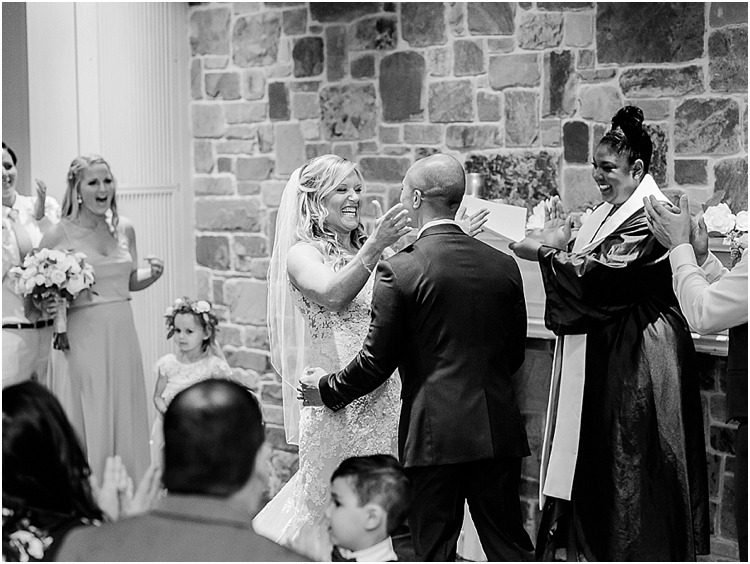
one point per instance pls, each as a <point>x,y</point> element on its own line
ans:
<point>381,552</point>
<point>435,222</point>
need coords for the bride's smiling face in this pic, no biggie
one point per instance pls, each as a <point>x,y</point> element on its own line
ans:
<point>342,205</point>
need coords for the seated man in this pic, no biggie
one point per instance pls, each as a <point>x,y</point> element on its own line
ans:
<point>215,470</point>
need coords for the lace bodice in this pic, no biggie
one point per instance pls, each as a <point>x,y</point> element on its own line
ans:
<point>369,425</point>
<point>336,336</point>
<point>181,375</point>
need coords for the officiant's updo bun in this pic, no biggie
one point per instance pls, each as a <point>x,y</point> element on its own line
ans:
<point>628,136</point>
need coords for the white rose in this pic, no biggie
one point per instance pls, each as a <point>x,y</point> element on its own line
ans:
<point>39,280</point>
<point>169,312</point>
<point>28,286</point>
<point>741,221</point>
<point>80,256</point>
<point>29,273</point>
<point>68,263</point>
<point>75,284</point>
<point>57,277</point>
<point>57,255</point>
<point>719,218</point>
<point>202,306</point>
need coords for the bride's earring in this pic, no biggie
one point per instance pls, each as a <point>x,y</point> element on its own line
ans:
<point>79,199</point>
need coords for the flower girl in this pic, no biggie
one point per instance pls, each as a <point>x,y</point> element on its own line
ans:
<point>199,357</point>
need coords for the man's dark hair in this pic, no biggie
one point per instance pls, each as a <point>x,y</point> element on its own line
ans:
<point>44,468</point>
<point>11,153</point>
<point>212,433</point>
<point>379,479</point>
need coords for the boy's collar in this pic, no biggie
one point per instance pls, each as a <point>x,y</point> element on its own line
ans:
<point>381,552</point>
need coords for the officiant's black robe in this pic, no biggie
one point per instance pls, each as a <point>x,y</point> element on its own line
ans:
<point>640,487</point>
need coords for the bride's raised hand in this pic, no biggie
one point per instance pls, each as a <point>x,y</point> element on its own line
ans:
<point>390,226</point>
<point>557,224</point>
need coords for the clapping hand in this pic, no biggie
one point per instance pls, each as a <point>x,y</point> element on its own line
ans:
<point>556,232</point>
<point>157,266</point>
<point>673,226</point>
<point>41,198</point>
<point>391,225</point>
<point>116,497</point>
<point>114,482</point>
<point>149,490</point>
<point>557,224</point>
<point>308,390</point>
<point>472,225</point>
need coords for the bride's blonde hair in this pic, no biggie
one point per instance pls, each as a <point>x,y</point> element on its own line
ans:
<point>318,178</point>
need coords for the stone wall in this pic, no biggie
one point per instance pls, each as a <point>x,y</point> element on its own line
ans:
<point>530,85</point>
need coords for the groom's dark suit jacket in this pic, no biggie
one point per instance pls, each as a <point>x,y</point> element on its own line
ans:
<point>449,312</point>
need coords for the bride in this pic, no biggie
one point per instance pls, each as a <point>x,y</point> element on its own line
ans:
<point>320,288</point>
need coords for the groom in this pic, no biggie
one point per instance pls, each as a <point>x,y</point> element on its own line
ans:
<point>449,312</point>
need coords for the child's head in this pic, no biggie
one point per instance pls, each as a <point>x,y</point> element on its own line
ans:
<point>193,324</point>
<point>370,498</point>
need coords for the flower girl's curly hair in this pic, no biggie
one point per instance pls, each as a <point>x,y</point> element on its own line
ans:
<point>201,310</point>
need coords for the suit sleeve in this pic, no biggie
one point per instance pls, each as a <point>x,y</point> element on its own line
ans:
<point>517,344</point>
<point>381,351</point>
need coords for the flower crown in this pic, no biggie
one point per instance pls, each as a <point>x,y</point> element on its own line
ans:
<point>201,308</point>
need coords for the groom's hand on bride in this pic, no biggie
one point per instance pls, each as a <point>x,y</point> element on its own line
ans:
<point>308,390</point>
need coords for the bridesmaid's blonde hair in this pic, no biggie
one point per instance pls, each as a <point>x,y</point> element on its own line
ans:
<point>70,204</point>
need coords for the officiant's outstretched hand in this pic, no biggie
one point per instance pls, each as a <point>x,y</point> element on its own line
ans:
<point>556,232</point>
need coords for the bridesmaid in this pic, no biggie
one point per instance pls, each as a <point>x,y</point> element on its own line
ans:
<point>99,381</point>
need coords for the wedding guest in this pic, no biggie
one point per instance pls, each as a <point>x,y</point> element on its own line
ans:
<point>449,312</point>
<point>713,299</point>
<point>26,337</point>
<point>370,499</point>
<point>193,325</point>
<point>48,488</point>
<point>623,465</point>
<point>216,465</point>
<point>320,288</point>
<point>100,379</point>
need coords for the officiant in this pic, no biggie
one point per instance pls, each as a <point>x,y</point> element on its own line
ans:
<point>623,473</point>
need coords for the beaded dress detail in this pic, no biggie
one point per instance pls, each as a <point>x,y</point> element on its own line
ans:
<point>368,425</point>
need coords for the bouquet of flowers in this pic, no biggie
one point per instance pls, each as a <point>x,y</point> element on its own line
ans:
<point>720,220</point>
<point>59,274</point>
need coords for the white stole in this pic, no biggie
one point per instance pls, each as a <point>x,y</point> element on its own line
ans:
<point>563,424</point>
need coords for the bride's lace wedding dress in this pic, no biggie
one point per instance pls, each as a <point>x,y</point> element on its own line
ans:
<point>368,425</point>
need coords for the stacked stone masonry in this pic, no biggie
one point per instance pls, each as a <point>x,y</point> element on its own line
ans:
<point>524,85</point>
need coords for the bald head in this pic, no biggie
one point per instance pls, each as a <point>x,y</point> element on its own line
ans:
<point>212,433</point>
<point>441,180</point>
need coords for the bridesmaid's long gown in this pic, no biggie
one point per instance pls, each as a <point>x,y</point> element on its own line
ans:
<point>99,381</point>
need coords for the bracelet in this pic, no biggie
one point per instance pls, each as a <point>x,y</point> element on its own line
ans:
<point>367,268</point>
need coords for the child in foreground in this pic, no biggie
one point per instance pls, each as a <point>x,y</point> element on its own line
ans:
<point>370,499</point>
